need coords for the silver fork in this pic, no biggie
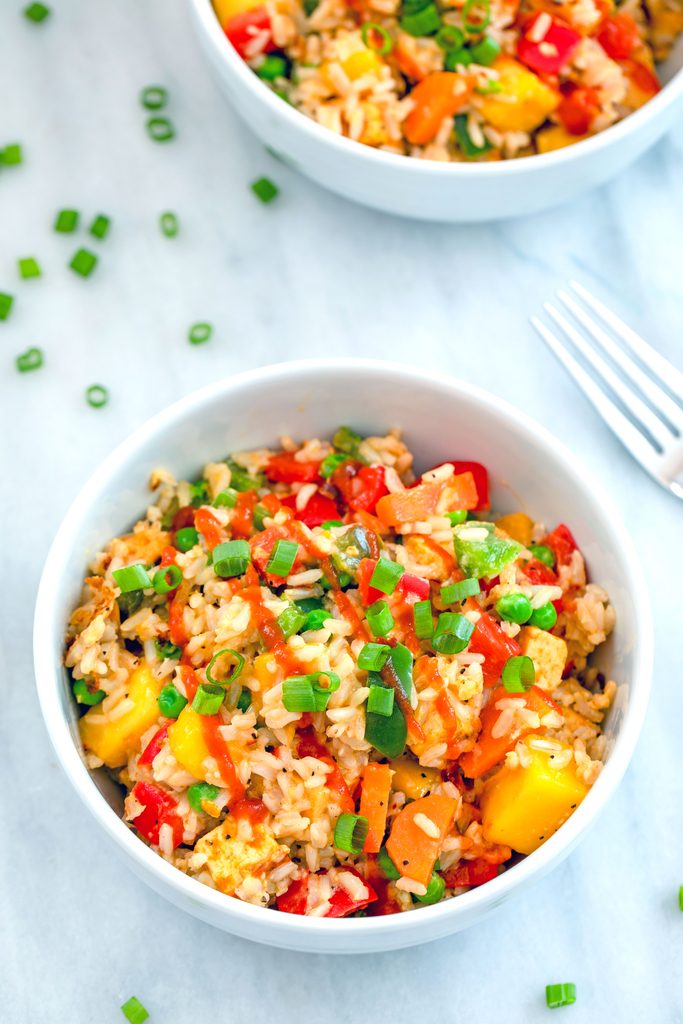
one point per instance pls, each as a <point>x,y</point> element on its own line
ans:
<point>653,430</point>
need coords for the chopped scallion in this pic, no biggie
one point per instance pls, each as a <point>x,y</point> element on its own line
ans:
<point>199,792</point>
<point>282,558</point>
<point>134,1011</point>
<point>560,995</point>
<point>28,267</point>
<point>165,649</point>
<point>380,619</point>
<point>454,592</point>
<point>386,575</point>
<point>519,674</point>
<point>452,633</point>
<point>160,129</point>
<point>234,673</point>
<point>83,262</point>
<point>6,303</point>
<point>66,221</point>
<point>31,359</point>
<point>291,620</point>
<point>11,156</point>
<point>380,700</point>
<point>100,226</point>
<point>37,12</point>
<point>231,558</point>
<point>96,396</point>
<point>169,224</point>
<point>167,579</point>
<point>154,97</point>
<point>199,333</point>
<point>208,699</point>
<point>350,833</point>
<point>422,619</point>
<point>131,578</point>
<point>264,189</point>
<point>373,656</point>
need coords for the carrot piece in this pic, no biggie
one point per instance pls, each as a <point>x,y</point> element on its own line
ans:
<point>413,851</point>
<point>488,751</point>
<point>409,506</point>
<point>374,803</point>
<point>436,97</point>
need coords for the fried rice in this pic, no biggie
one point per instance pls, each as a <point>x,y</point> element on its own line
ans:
<point>331,688</point>
<point>463,80</point>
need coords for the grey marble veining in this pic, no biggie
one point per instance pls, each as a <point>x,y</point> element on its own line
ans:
<point>310,274</point>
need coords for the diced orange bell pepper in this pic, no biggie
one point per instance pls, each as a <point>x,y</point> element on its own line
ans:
<point>409,506</point>
<point>441,94</point>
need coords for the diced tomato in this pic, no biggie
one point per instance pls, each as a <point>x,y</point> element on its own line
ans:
<point>549,54</point>
<point>154,746</point>
<point>251,33</point>
<point>490,640</point>
<point>481,481</point>
<point>159,808</point>
<point>619,36</point>
<point>580,105</point>
<point>318,509</point>
<point>286,469</point>
<point>561,543</point>
<point>471,872</point>
<point>361,487</point>
<point>295,899</point>
<point>209,527</point>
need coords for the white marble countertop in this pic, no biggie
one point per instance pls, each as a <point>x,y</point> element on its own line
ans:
<point>309,274</point>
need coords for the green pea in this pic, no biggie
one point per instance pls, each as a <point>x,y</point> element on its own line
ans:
<point>171,701</point>
<point>84,695</point>
<point>543,554</point>
<point>514,608</point>
<point>316,619</point>
<point>199,792</point>
<point>544,617</point>
<point>186,538</point>
<point>435,890</point>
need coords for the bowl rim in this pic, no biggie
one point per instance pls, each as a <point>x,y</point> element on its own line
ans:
<point>223,52</point>
<point>50,619</point>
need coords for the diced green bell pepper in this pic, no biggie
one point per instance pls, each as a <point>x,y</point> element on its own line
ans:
<point>480,552</point>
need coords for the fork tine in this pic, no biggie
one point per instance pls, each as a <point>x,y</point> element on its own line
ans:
<point>660,400</point>
<point>628,397</point>
<point>638,446</point>
<point>656,362</point>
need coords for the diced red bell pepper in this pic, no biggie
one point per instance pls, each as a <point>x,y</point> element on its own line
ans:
<point>159,808</point>
<point>341,904</point>
<point>318,510</point>
<point>578,108</point>
<point>619,36</point>
<point>496,646</point>
<point>561,543</point>
<point>549,54</point>
<point>361,487</point>
<point>286,469</point>
<point>209,527</point>
<point>471,872</point>
<point>294,901</point>
<point>481,481</point>
<point>412,588</point>
<point>251,33</point>
<point>308,745</point>
<point>539,574</point>
<point>154,746</point>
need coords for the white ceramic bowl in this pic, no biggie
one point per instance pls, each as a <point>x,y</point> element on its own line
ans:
<point>442,418</point>
<point>427,189</point>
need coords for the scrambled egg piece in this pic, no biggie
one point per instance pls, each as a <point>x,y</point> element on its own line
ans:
<point>231,860</point>
<point>548,653</point>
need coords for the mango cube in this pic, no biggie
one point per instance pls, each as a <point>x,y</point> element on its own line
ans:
<point>112,741</point>
<point>524,806</point>
<point>524,101</point>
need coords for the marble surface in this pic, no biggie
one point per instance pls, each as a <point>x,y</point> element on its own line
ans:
<point>310,274</point>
